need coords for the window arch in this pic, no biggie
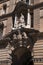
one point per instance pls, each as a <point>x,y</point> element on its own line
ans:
<point>27,1</point>
<point>1,29</point>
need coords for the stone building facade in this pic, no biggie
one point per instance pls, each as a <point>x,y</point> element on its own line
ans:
<point>37,21</point>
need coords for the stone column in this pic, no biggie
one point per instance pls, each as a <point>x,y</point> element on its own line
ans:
<point>16,22</point>
<point>5,26</point>
<point>28,20</point>
<point>29,2</point>
<point>29,17</point>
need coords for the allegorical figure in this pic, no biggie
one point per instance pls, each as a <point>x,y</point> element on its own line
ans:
<point>19,22</point>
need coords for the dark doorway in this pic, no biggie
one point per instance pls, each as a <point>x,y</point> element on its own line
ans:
<point>21,56</point>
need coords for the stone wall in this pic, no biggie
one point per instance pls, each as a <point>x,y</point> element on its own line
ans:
<point>38,25</point>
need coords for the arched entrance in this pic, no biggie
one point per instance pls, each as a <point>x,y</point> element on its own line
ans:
<point>21,56</point>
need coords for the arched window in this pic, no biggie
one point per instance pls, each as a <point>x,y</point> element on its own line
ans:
<point>1,29</point>
<point>27,1</point>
